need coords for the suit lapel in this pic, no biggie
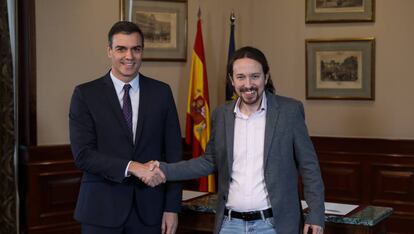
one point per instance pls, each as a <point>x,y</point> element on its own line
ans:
<point>229,123</point>
<point>272,115</point>
<point>112,97</point>
<point>143,106</point>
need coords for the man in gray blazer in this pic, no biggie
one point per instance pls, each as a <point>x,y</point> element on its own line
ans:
<point>259,146</point>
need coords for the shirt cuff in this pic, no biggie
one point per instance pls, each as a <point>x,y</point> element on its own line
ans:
<point>126,170</point>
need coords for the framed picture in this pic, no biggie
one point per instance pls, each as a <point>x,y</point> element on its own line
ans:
<point>164,24</point>
<point>340,69</point>
<point>330,11</point>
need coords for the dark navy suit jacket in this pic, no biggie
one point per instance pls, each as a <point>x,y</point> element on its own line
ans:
<point>102,146</point>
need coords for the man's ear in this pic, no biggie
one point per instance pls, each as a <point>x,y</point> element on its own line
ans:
<point>109,52</point>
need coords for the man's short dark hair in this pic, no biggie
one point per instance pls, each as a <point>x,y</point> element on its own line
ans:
<point>255,54</point>
<point>124,27</point>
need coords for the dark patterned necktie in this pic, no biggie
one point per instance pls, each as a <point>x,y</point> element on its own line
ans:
<point>127,107</point>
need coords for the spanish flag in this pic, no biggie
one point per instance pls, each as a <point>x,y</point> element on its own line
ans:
<point>198,110</point>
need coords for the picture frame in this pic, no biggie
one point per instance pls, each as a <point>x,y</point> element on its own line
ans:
<point>340,69</point>
<point>334,11</point>
<point>164,25</point>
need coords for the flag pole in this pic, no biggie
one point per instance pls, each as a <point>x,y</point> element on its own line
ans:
<point>230,95</point>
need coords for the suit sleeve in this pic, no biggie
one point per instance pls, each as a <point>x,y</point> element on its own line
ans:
<point>309,170</point>
<point>196,167</point>
<point>83,140</point>
<point>173,153</point>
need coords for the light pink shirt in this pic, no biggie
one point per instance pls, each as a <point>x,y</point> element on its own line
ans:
<point>247,187</point>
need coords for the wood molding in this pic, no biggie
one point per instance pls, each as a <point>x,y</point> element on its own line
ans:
<point>27,72</point>
<point>365,146</point>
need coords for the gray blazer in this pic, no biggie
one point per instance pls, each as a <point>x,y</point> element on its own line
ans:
<point>288,152</point>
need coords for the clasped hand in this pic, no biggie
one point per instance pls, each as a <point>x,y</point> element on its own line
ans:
<point>149,172</point>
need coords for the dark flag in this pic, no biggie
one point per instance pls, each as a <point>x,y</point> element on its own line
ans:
<point>230,95</point>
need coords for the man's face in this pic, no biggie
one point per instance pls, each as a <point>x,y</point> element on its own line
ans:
<point>249,81</point>
<point>126,55</point>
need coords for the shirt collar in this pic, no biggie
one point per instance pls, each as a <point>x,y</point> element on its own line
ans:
<point>119,85</point>
<point>263,105</point>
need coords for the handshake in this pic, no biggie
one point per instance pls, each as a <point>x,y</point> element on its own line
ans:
<point>149,172</point>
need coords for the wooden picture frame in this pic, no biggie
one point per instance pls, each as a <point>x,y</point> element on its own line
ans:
<point>340,69</point>
<point>334,11</point>
<point>164,24</point>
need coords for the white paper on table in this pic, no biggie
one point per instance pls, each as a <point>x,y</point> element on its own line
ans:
<point>334,208</point>
<point>338,208</point>
<point>188,194</point>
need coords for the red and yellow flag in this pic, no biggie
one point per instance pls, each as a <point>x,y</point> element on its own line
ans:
<point>198,111</point>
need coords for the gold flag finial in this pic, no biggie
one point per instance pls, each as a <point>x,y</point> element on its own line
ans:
<point>232,17</point>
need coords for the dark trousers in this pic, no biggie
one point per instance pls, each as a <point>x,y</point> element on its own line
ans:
<point>133,225</point>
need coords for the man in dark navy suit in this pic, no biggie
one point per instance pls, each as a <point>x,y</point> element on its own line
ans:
<point>116,122</point>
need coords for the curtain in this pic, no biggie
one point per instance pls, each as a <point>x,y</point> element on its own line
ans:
<point>8,220</point>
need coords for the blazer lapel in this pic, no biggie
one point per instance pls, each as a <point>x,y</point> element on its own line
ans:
<point>229,123</point>
<point>111,95</point>
<point>272,115</point>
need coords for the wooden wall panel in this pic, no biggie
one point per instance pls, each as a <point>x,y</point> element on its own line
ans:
<point>51,191</point>
<point>370,171</point>
<point>394,186</point>
<point>361,171</point>
<point>342,180</point>
<point>393,183</point>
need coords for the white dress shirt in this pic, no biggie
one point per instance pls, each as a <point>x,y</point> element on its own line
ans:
<point>248,190</point>
<point>134,95</point>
